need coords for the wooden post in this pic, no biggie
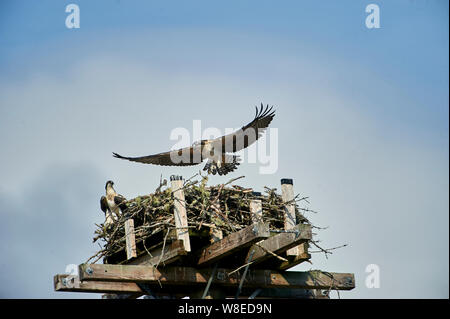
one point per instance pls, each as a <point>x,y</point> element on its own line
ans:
<point>180,214</point>
<point>287,194</point>
<point>215,232</point>
<point>256,209</point>
<point>130,238</point>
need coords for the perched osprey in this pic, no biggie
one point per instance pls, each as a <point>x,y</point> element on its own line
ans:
<point>111,203</point>
<point>215,150</point>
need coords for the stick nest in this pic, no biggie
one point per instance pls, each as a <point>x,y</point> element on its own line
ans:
<point>225,207</point>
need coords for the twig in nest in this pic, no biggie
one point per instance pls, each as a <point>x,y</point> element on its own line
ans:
<point>321,228</point>
<point>148,252</point>
<point>100,254</point>
<point>190,178</point>
<point>307,210</point>
<point>162,251</point>
<point>271,252</point>
<point>232,180</point>
<point>323,250</point>
<point>237,269</point>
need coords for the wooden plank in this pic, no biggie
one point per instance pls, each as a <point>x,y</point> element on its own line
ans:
<point>256,210</point>
<point>130,240</point>
<point>74,284</point>
<point>191,276</point>
<point>279,243</point>
<point>233,242</point>
<point>171,253</point>
<point>129,290</point>
<point>287,194</point>
<point>180,214</point>
<point>289,262</point>
<point>302,256</point>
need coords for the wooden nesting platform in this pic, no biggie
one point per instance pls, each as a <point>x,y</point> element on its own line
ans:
<point>202,263</point>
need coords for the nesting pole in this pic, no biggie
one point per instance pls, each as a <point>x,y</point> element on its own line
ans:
<point>180,215</point>
<point>233,263</point>
<point>287,194</point>
<point>256,209</point>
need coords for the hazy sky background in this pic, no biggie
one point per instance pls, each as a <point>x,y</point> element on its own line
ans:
<point>362,117</point>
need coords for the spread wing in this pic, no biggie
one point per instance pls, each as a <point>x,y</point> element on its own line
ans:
<point>191,155</point>
<point>103,204</point>
<point>248,134</point>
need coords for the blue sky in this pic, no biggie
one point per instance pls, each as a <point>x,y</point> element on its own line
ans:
<point>362,117</point>
<point>411,31</point>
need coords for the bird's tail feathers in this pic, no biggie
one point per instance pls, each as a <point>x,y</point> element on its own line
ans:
<point>229,164</point>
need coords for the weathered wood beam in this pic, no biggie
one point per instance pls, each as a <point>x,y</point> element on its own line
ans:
<point>287,194</point>
<point>74,284</point>
<point>171,253</point>
<point>127,290</point>
<point>130,240</point>
<point>279,243</point>
<point>232,243</point>
<point>302,256</point>
<point>256,210</point>
<point>191,276</point>
<point>289,261</point>
<point>180,214</point>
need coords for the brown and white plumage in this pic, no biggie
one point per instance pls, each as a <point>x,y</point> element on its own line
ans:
<point>112,203</point>
<point>247,134</point>
<point>165,158</point>
<point>215,150</point>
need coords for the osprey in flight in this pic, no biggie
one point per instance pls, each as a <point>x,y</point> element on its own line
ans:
<point>214,150</point>
<point>111,203</point>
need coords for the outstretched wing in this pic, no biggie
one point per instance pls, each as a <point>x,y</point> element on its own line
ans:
<point>191,155</point>
<point>103,204</point>
<point>248,134</point>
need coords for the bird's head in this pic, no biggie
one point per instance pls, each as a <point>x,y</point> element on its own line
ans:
<point>109,183</point>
